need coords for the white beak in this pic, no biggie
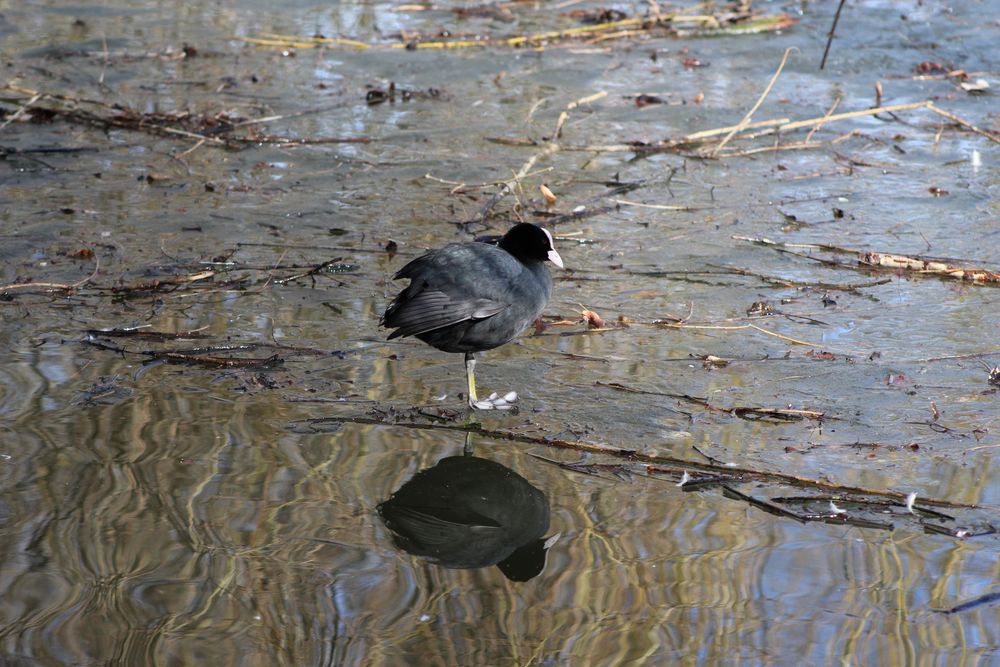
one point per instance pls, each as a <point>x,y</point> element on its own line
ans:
<point>552,255</point>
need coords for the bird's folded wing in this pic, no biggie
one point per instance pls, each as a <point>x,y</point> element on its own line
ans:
<point>432,309</point>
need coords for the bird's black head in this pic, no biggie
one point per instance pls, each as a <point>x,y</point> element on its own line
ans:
<point>530,242</point>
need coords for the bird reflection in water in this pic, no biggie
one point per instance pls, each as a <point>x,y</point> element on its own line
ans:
<point>469,512</point>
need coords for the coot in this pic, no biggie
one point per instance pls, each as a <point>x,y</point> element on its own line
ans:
<point>470,297</point>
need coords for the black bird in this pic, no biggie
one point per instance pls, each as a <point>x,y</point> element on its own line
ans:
<point>469,512</point>
<point>470,297</point>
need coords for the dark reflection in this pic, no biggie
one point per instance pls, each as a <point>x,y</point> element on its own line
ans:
<point>468,512</point>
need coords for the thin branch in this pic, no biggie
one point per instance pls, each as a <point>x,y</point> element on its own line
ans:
<point>749,115</point>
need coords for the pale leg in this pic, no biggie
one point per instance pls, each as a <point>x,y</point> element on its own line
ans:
<point>494,402</point>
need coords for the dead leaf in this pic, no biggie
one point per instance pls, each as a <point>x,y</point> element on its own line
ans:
<point>593,320</point>
<point>928,67</point>
<point>550,198</point>
<point>712,361</point>
<point>645,100</point>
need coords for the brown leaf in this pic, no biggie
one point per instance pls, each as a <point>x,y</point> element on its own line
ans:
<point>550,198</point>
<point>645,100</point>
<point>593,320</point>
<point>928,67</point>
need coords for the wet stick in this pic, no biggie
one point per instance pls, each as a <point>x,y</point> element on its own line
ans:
<point>829,37</point>
<point>54,287</point>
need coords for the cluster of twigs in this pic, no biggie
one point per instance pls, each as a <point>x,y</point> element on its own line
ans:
<point>227,356</point>
<point>824,501</point>
<point>712,143</point>
<point>221,129</point>
<point>225,275</point>
<point>868,260</point>
<point>594,31</point>
<point>749,413</point>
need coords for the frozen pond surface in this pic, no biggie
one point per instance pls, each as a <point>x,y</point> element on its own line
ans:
<point>174,514</point>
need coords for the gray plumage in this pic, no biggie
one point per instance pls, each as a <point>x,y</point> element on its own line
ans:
<point>469,297</point>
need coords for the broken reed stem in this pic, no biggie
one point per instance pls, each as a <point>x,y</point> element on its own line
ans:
<point>746,119</point>
<point>658,207</point>
<point>742,327</point>
<point>818,125</point>
<point>20,110</point>
<point>466,187</point>
<point>705,134</point>
<point>852,114</point>
<point>802,145</point>
<point>198,144</point>
<point>784,125</point>
<point>573,105</point>
<point>992,136</point>
<point>65,287</point>
<point>771,149</point>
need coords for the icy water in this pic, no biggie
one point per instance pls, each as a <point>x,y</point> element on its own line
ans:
<point>161,513</point>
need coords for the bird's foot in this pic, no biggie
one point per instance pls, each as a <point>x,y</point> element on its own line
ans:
<point>495,402</point>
